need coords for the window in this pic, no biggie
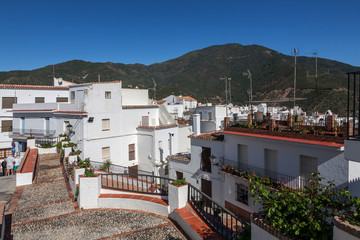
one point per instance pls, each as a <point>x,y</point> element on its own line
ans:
<point>242,193</point>
<point>7,102</point>
<point>6,126</point>
<point>210,116</point>
<point>179,175</point>
<point>61,99</point>
<point>131,152</point>
<point>72,95</point>
<point>166,169</point>
<point>105,153</point>
<point>106,124</point>
<point>160,144</point>
<point>39,99</point>
<point>200,115</point>
<point>107,95</point>
<point>205,159</point>
<point>4,153</point>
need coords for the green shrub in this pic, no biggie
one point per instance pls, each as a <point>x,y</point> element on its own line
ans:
<point>75,153</point>
<point>84,164</point>
<point>70,144</point>
<point>106,165</point>
<point>59,145</point>
<point>46,145</point>
<point>89,172</point>
<point>179,182</point>
<point>77,192</point>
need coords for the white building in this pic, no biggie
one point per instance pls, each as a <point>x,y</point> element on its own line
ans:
<point>289,160</point>
<point>108,123</point>
<point>12,94</point>
<point>178,105</point>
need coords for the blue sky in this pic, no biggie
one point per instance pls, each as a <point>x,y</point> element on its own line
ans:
<point>38,33</point>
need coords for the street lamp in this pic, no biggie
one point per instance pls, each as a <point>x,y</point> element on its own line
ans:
<point>69,127</point>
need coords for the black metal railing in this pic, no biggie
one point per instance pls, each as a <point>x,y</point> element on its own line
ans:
<point>136,183</point>
<point>33,132</point>
<point>286,180</point>
<point>218,218</point>
<point>46,141</point>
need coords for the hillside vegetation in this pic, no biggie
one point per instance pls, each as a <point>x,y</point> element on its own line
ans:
<point>197,74</point>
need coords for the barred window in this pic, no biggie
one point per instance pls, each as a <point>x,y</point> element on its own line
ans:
<point>242,193</point>
<point>107,95</point>
<point>105,153</point>
<point>106,124</point>
<point>39,99</point>
<point>61,99</point>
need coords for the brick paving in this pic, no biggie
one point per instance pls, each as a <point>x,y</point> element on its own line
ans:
<point>47,210</point>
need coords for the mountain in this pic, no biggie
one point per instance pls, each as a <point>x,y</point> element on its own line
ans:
<point>198,74</point>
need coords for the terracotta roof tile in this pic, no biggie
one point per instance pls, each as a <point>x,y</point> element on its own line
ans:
<point>211,136</point>
<point>140,106</point>
<point>15,86</point>
<point>181,157</point>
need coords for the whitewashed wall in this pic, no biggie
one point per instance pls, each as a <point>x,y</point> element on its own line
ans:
<point>331,163</point>
<point>135,97</point>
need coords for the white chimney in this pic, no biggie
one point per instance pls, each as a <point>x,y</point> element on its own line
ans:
<point>196,124</point>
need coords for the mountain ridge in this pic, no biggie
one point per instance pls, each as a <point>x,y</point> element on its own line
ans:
<point>197,73</point>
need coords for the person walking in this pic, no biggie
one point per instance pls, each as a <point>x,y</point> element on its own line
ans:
<point>3,165</point>
<point>10,164</point>
<point>16,164</point>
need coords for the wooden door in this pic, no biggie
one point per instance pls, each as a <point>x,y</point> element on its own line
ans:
<point>133,171</point>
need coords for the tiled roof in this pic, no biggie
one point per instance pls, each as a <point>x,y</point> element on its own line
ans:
<point>187,98</point>
<point>211,136</point>
<point>182,157</point>
<point>140,106</point>
<point>287,139</point>
<point>15,86</point>
<point>90,83</point>
<point>160,101</point>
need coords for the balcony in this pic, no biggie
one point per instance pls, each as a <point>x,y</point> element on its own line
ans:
<point>33,132</point>
<point>244,171</point>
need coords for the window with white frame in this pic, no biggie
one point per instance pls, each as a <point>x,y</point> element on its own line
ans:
<point>242,193</point>
<point>105,153</point>
<point>106,124</point>
<point>107,95</point>
<point>72,95</point>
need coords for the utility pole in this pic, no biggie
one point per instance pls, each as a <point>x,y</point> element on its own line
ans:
<point>295,52</point>
<point>227,92</point>
<point>316,75</point>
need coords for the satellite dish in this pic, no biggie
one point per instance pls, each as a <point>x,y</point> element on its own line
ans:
<point>230,105</point>
<point>60,81</point>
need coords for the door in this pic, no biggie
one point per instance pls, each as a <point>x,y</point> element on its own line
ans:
<point>22,126</point>
<point>205,159</point>
<point>308,165</point>
<point>47,126</point>
<point>271,163</point>
<point>242,156</point>
<point>206,187</point>
<point>133,171</point>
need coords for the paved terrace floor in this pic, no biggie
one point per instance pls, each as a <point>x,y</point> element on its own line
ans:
<point>47,210</point>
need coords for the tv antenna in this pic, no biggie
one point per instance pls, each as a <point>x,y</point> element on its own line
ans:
<point>315,53</point>
<point>249,75</point>
<point>227,92</point>
<point>154,87</point>
<point>295,52</point>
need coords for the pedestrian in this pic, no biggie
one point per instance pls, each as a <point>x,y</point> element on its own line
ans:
<point>3,165</point>
<point>16,163</point>
<point>9,164</point>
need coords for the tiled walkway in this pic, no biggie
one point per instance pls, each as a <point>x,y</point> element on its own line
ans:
<point>47,210</point>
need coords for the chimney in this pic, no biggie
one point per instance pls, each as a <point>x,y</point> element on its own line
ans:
<point>330,124</point>
<point>226,122</point>
<point>196,124</point>
<point>250,118</point>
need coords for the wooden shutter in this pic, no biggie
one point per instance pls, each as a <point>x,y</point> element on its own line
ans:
<point>205,159</point>
<point>62,99</point>
<point>106,124</point>
<point>106,153</point>
<point>6,126</point>
<point>131,152</point>
<point>39,99</point>
<point>7,102</point>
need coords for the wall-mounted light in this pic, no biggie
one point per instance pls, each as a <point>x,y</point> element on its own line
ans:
<point>213,160</point>
<point>69,127</point>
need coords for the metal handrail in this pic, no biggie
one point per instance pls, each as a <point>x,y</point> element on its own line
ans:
<point>218,218</point>
<point>33,132</point>
<point>286,180</point>
<point>141,183</point>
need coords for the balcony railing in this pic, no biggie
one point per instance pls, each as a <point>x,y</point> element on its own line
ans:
<point>286,180</point>
<point>33,132</point>
<point>218,218</point>
<point>136,183</point>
